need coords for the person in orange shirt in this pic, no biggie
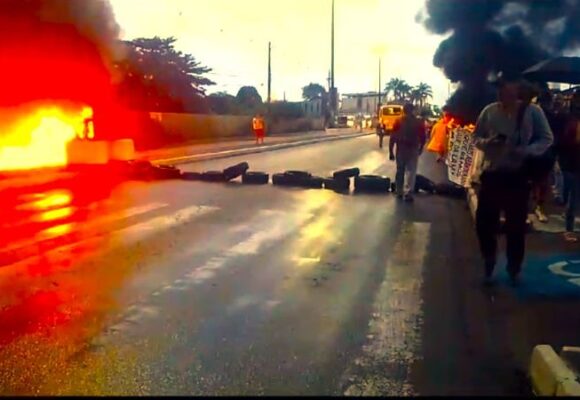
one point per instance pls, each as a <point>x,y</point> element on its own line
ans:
<point>438,142</point>
<point>259,127</point>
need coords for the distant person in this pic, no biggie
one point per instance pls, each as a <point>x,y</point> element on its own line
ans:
<point>569,155</point>
<point>507,132</point>
<point>259,127</point>
<point>438,138</point>
<point>408,137</point>
<point>547,168</point>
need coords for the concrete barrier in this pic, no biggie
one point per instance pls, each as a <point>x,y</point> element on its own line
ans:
<point>158,129</point>
<point>550,375</point>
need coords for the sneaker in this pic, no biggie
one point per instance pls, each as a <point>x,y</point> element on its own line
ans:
<point>540,214</point>
<point>409,198</point>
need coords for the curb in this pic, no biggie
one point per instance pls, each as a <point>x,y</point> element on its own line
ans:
<point>550,375</point>
<point>253,150</point>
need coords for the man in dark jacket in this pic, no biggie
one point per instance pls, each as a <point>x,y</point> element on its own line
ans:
<point>409,138</point>
<point>504,180</point>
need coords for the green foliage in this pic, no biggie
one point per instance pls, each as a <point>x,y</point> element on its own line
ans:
<point>313,91</point>
<point>157,77</point>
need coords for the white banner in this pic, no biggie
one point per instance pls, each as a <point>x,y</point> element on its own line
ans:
<point>460,156</point>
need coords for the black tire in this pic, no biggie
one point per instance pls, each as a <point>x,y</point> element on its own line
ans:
<point>235,171</point>
<point>372,184</point>
<point>255,178</point>
<point>346,173</point>
<point>298,174</point>
<point>280,180</point>
<point>450,190</point>
<point>191,176</point>
<point>313,182</point>
<point>213,176</point>
<point>162,173</point>
<point>425,184</point>
<point>338,185</point>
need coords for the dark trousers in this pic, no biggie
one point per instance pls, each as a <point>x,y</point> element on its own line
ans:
<point>381,138</point>
<point>507,192</point>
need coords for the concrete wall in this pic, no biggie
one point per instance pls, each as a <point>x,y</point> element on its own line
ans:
<point>182,128</point>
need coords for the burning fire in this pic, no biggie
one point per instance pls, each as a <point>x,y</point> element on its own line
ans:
<point>36,136</point>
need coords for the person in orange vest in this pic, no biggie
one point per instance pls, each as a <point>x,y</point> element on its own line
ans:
<point>259,127</point>
<point>438,142</point>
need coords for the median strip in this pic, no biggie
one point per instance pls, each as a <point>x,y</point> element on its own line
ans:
<point>252,150</point>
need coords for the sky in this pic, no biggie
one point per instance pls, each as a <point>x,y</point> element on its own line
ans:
<point>231,37</point>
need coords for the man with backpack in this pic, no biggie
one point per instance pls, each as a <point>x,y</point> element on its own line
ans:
<point>511,134</point>
<point>409,138</point>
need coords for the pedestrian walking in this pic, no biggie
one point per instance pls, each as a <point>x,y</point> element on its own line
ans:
<point>509,133</point>
<point>569,154</point>
<point>259,127</point>
<point>408,137</point>
<point>438,138</point>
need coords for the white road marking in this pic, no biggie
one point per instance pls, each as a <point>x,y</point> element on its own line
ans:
<point>394,329</point>
<point>51,233</point>
<point>144,229</point>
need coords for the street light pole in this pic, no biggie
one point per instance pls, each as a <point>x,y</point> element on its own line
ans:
<point>333,94</point>
<point>380,88</point>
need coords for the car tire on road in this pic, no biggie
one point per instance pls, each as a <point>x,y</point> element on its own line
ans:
<point>165,172</point>
<point>298,174</point>
<point>213,176</point>
<point>255,178</point>
<point>338,185</point>
<point>280,180</point>
<point>346,173</point>
<point>235,171</point>
<point>372,184</point>
<point>313,182</point>
<point>191,176</point>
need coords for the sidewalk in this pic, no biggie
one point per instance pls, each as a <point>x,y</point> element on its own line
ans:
<point>236,146</point>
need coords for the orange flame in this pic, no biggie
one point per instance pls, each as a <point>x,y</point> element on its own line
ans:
<point>36,136</point>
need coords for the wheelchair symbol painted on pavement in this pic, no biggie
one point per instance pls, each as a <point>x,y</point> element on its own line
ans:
<point>559,268</point>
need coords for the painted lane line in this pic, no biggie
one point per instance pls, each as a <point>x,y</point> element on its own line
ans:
<point>144,229</point>
<point>394,328</point>
<point>66,229</point>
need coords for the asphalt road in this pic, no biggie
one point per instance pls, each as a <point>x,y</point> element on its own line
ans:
<point>191,288</point>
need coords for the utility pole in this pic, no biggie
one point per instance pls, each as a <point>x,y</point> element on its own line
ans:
<point>380,88</point>
<point>333,92</point>
<point>269,73</point>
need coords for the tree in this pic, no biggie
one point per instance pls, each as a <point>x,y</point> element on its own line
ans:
<point>313,91</point>
<point>223,103</point>
<point>157,77</point>
<point>249,98</point>
<point>423,92</point>
<point>399,88</point>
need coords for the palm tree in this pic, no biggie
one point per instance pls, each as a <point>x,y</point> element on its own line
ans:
<point>424,92</point>
<point>398,87</point>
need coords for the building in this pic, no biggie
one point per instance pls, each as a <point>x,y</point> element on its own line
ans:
<point>313,108</point>
<point>365,103</point>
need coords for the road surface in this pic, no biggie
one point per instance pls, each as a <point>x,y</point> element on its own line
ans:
<point>190,288</point>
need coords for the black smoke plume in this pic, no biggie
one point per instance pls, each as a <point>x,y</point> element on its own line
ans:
<point>488,36</point>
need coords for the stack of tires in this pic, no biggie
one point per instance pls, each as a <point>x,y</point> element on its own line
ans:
<point>340,180</point>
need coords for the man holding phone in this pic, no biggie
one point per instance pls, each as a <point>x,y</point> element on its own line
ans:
<point>508,132</point>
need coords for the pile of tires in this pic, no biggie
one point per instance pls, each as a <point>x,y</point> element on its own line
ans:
<point>340,180</point>
<point>371,184</point>
<point>301,179</point>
